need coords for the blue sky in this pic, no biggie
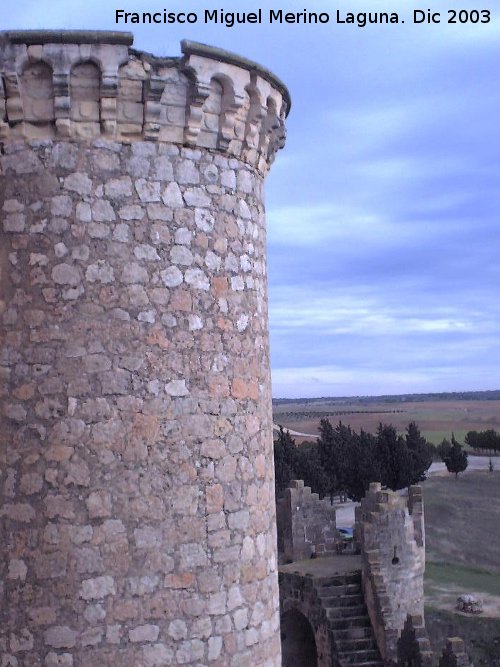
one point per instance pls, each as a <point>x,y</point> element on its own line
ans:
<point>383,209</point>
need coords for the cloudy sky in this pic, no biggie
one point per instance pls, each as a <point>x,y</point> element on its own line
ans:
<point>383,209</point>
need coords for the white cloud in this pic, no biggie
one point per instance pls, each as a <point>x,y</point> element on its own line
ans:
<point>369,316</point>
<point>328,380</point>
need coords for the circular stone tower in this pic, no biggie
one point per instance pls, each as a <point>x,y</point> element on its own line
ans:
<point>138,518</point>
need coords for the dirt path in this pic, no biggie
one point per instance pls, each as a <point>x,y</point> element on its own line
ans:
<point>445,598</point>
<point>474,463</point>
<point>276,427</point>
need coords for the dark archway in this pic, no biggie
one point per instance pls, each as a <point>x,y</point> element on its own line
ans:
<point>297,641</point>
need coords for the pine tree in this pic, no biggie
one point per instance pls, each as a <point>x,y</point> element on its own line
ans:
<point>308,467</point>
<point>334,446</point>
<point>420,452</point>
<point>456,459</point>
<point>394,458</point>
<point>363,466</point>
<point>443,449</point>
<point>284,461</point>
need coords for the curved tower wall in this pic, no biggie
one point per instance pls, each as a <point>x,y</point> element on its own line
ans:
<point>138,517</point>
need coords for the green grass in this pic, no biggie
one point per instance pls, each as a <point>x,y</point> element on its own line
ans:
<point>462,517</point>
<point>463,556</point>
<point>464,578</point>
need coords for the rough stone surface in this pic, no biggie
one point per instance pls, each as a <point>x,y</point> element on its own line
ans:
<point>391,536</point>
<point>306,525</point>
<point>414,647</point>
<point>454,655</point>
<point>136,461</point>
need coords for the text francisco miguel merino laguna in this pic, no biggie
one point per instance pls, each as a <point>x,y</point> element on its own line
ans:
<point>230,19</point>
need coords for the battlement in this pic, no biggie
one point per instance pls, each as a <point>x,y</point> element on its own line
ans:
<point>376,503</point>
<point>81,85</point>
<point>390,533</point>
<point>306,524</point>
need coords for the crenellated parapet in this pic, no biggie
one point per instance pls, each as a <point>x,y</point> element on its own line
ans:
<point>454,655</point>
<point>414,647</point>
<point>390,534</point>
<point>81,85</point>
<point>306,525</point>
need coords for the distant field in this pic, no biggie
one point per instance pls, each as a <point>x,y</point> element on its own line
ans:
<point>462,519</point>
<point>436,419</point>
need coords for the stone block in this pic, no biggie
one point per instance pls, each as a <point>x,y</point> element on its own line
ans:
<point>144,633</point>
<point>97,588</point>
<point>60,636</point>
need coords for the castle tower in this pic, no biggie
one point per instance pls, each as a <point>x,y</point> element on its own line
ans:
<point>137,497</point>
<point>390,532</point>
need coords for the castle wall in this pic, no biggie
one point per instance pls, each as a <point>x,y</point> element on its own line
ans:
<point>306,524</point>
<point>138,523</point>
<point>298,594</point>
<point>414,647</point>
<point>454,654</point>
<point>390,533</point>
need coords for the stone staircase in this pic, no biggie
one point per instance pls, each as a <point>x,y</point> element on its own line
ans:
<point>348,621</point>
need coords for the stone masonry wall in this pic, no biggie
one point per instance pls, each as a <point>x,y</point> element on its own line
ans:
<point>414,648</point>
<point>390,533</point>
<point>137,516</point>
<point>454,655</point>
<point>298,593</point>
<point>306,524</point>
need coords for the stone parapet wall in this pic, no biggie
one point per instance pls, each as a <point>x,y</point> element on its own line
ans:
<point>136,479</point>
<point>390,533</point>
<point>306,524</point>
<point>454,655</point>
<point>414,647</point>
<point>93,85</point>
<point>299,593</point>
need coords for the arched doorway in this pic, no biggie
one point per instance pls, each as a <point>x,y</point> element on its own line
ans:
<point>298,645</point>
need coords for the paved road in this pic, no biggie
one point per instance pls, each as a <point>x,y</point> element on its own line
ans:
<point>474,463</point>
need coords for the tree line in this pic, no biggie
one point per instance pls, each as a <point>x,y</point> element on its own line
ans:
<point>484,440</point>
<point>343,462</point>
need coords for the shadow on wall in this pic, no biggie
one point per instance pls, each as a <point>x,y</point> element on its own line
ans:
<point>298,645</point>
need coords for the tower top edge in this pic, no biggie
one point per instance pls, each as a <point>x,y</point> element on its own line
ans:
<point>30,37</point>
<point>84,84</point>
<point>189,48</point>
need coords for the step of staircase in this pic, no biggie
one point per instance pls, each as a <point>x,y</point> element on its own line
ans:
<point>346,600</point>
<point>354,633</point>
<point>340,579</point>
<point>354,657</point>
<point>348,621</point>
<point>347,645</point>
<point>336,590</point>
<point>345,613</point>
